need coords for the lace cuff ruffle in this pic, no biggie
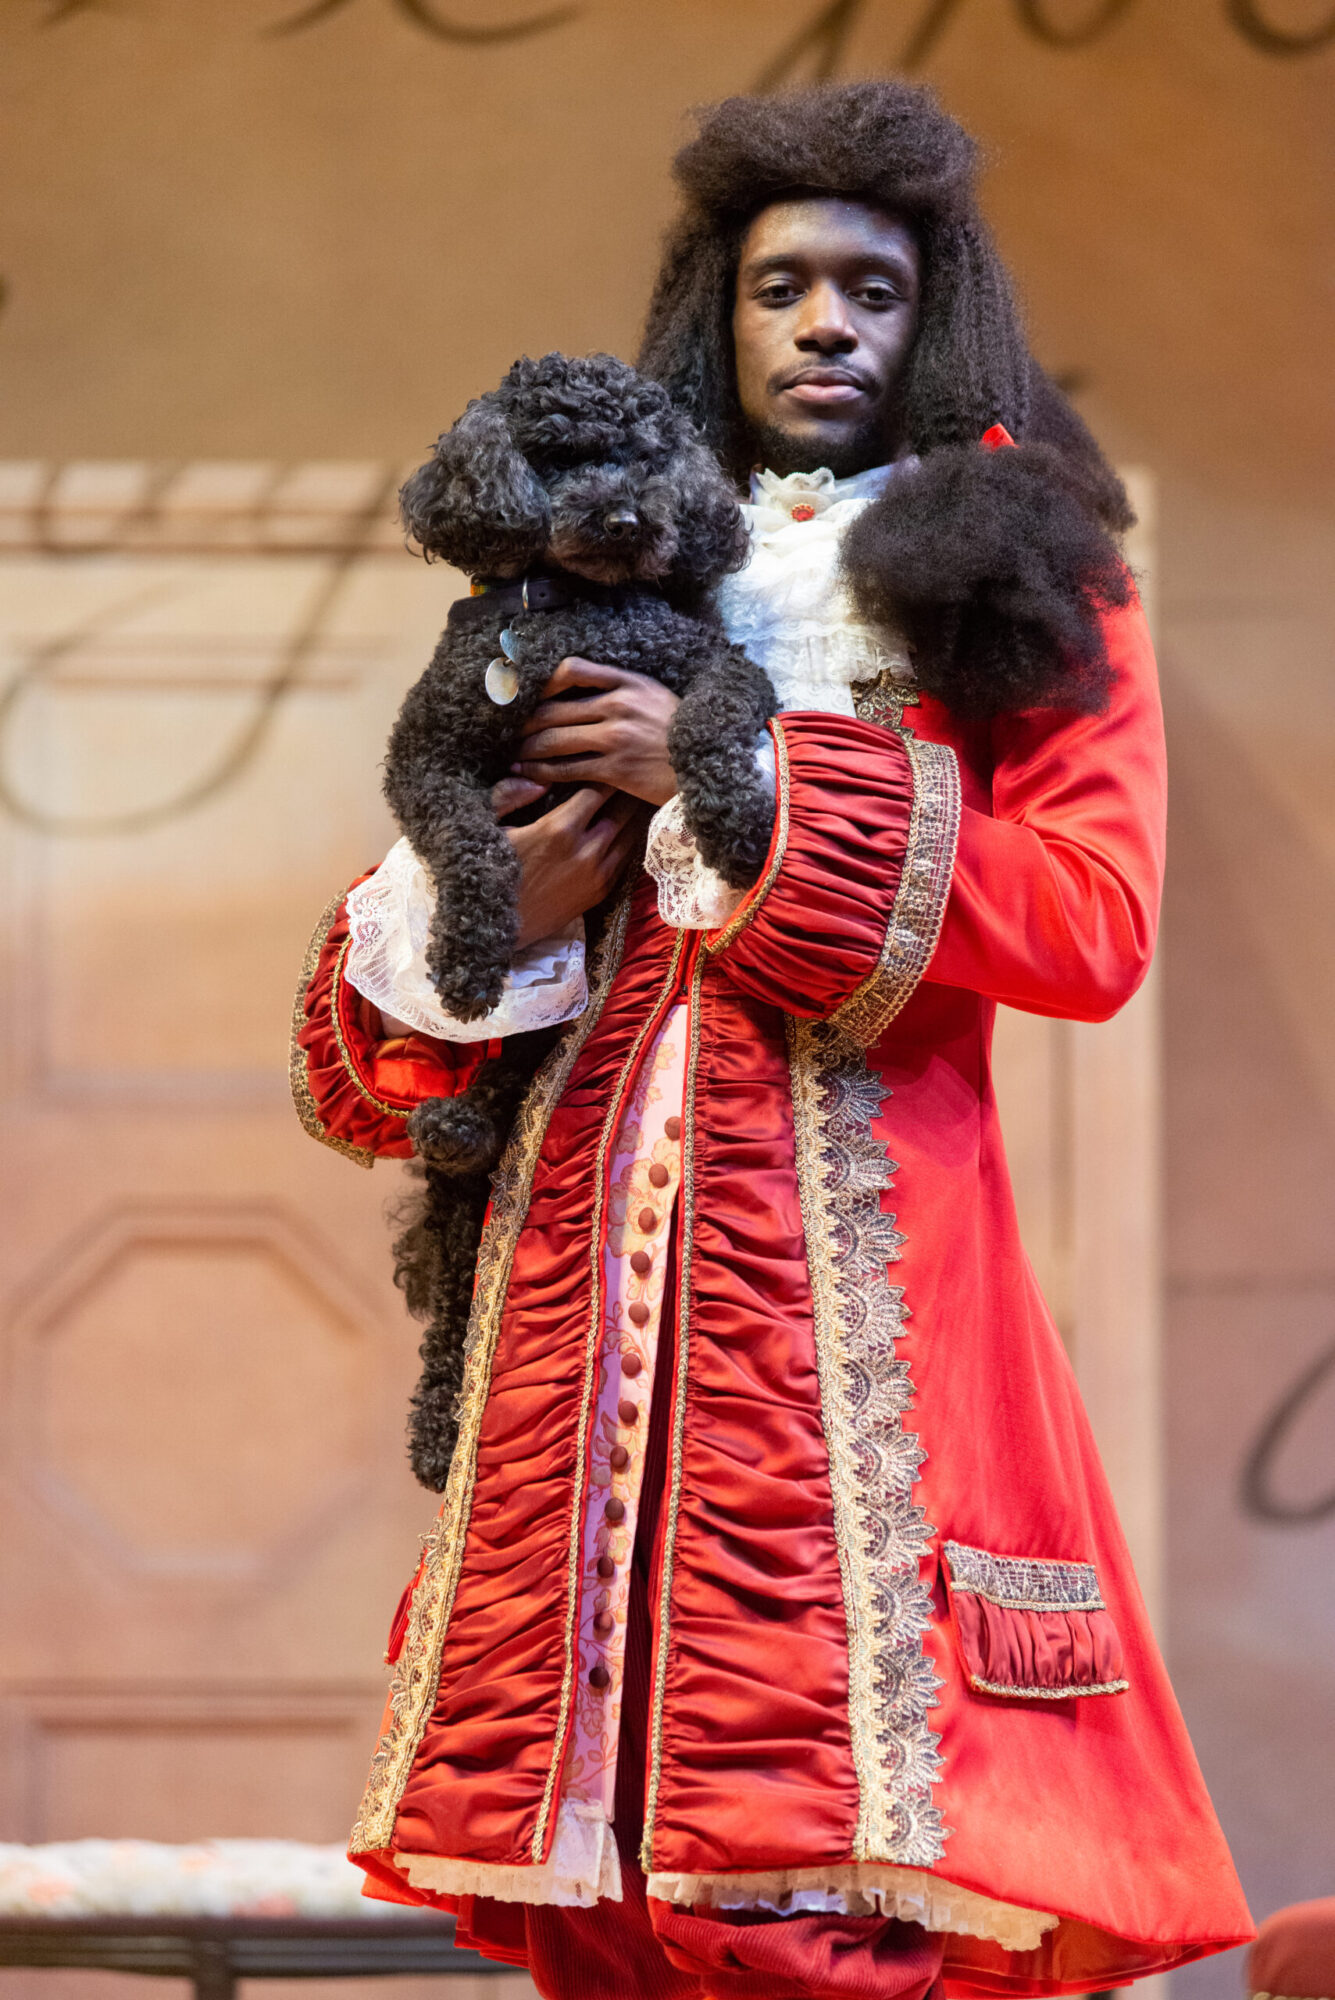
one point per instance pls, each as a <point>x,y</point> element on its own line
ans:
<point>389,915</point>
<point>691,895</point>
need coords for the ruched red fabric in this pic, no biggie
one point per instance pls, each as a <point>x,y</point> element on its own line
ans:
<point>362,1086</point>
<point>1091,1809</point>
<point>801,1958</point>
<point>507,1650</point>
<point>812,930</point>
<point>756,1738</point>
<point>1034,1654</point>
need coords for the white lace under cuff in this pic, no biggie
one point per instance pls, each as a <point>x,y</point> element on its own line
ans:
<point>583,1870</point>
<point>388,918</point>
<point>861,1889</point>
<point>692,896</point>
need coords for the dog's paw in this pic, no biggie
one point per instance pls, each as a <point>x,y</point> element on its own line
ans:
<point>455,1135</point>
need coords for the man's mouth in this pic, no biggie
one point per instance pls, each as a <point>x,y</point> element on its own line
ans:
<point>825,388</point>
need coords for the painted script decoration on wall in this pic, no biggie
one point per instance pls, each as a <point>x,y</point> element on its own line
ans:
<point>817,49</point>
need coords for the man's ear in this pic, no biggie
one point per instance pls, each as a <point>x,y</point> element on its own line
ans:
<point>711,534</point>
<point>477,502</point>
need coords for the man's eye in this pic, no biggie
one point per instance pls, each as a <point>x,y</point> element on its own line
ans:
<point>776,295</point>
<point>878,295</point>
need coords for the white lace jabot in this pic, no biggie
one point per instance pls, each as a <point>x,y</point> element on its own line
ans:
<point>790,608</point>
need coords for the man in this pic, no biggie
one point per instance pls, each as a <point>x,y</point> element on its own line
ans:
<point>771,1642</point>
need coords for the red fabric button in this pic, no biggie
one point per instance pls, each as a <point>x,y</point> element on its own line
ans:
<point>641,1263</point>
<point>648,1220</point>
<point>618,1458</point>
<point>638,1314</point>
<point>631,1365</point>
<point>599,1677</point>
<point>606,1567</point>
<point>673,1128</point>
<point>658,1175</point>
<point>603,1622</point>
<point>614,1509</point>
<point>629,1413</point>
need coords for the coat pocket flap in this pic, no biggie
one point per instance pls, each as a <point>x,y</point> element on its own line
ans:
<point>1030,1626</point>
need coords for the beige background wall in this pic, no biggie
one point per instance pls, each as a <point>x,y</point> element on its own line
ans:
<point>221,243</point>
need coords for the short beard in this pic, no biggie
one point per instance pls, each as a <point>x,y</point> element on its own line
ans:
<point>774,449</point>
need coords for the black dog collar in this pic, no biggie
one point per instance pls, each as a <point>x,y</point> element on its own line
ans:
<point>545,590</point>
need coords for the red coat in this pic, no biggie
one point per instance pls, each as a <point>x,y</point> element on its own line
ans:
<point>898,1623</point>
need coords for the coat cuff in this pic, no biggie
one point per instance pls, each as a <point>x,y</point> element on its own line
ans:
<point>352,1091</point>
<point>845,917</point>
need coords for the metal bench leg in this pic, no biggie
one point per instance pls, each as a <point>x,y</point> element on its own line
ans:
<point>214,1977</point>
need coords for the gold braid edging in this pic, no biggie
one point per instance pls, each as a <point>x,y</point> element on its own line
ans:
<point>751,907</point>
<point>413,1688</point>
<point>1023,1583</point>
<point>685,1252</point>
<point>1046,1694</point>
<point>920,900</point>
<point>378,1103</point>
<point>297,1074</point>
<point>865,1392</point>
<point>593,1346</point>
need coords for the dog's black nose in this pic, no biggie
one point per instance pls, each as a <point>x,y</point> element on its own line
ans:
<point>621,520</point>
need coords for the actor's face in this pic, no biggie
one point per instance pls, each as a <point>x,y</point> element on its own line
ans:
<point>825,315</point>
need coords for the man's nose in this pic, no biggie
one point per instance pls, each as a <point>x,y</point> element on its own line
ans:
<point>825,322</point>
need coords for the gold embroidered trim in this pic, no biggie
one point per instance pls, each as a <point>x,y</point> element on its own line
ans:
<point>298,1075</point>
<point>865,1392</point>
<point>920,900</point>
<point>388,1110</point>
<point>1023,1583</point>
<point>593,1344</point>
<point>746,911</point>
<point>685,1252</point>
<point>1046,1694</point>
<point>884,699</point>
<point>413,1688</point>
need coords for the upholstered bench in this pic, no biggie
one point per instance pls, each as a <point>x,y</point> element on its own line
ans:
<point>215,1913</point>
<point>1294,1954</point>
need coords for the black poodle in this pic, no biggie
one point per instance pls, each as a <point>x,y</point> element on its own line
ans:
<point>596,524</point>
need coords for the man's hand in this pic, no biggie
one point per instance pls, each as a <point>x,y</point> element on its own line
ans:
<point>570,858</point>
<point>614,735</point>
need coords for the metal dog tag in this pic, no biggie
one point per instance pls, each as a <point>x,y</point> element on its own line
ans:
<point>501,682</point>
<point>508,643</point>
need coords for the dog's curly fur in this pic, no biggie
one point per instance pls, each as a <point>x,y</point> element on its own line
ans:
<point>998,564</point>
<point>584,469</point>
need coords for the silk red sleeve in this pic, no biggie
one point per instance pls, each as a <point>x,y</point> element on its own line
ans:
<point>845,916</point>
<point>1055,899</point>
<point>354,1091</point>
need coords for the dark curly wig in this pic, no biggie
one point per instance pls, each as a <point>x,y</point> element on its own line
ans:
<point>996,564</point>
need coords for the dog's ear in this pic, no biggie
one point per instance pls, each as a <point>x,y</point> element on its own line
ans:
<point>477,503</point>
<point>711,534</point>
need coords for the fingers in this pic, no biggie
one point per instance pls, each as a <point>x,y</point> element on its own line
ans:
<point>579,809</point>
<point>512,793</point>
<point>575,672</point>
<point>568,714</point>
<point>568,740</point>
